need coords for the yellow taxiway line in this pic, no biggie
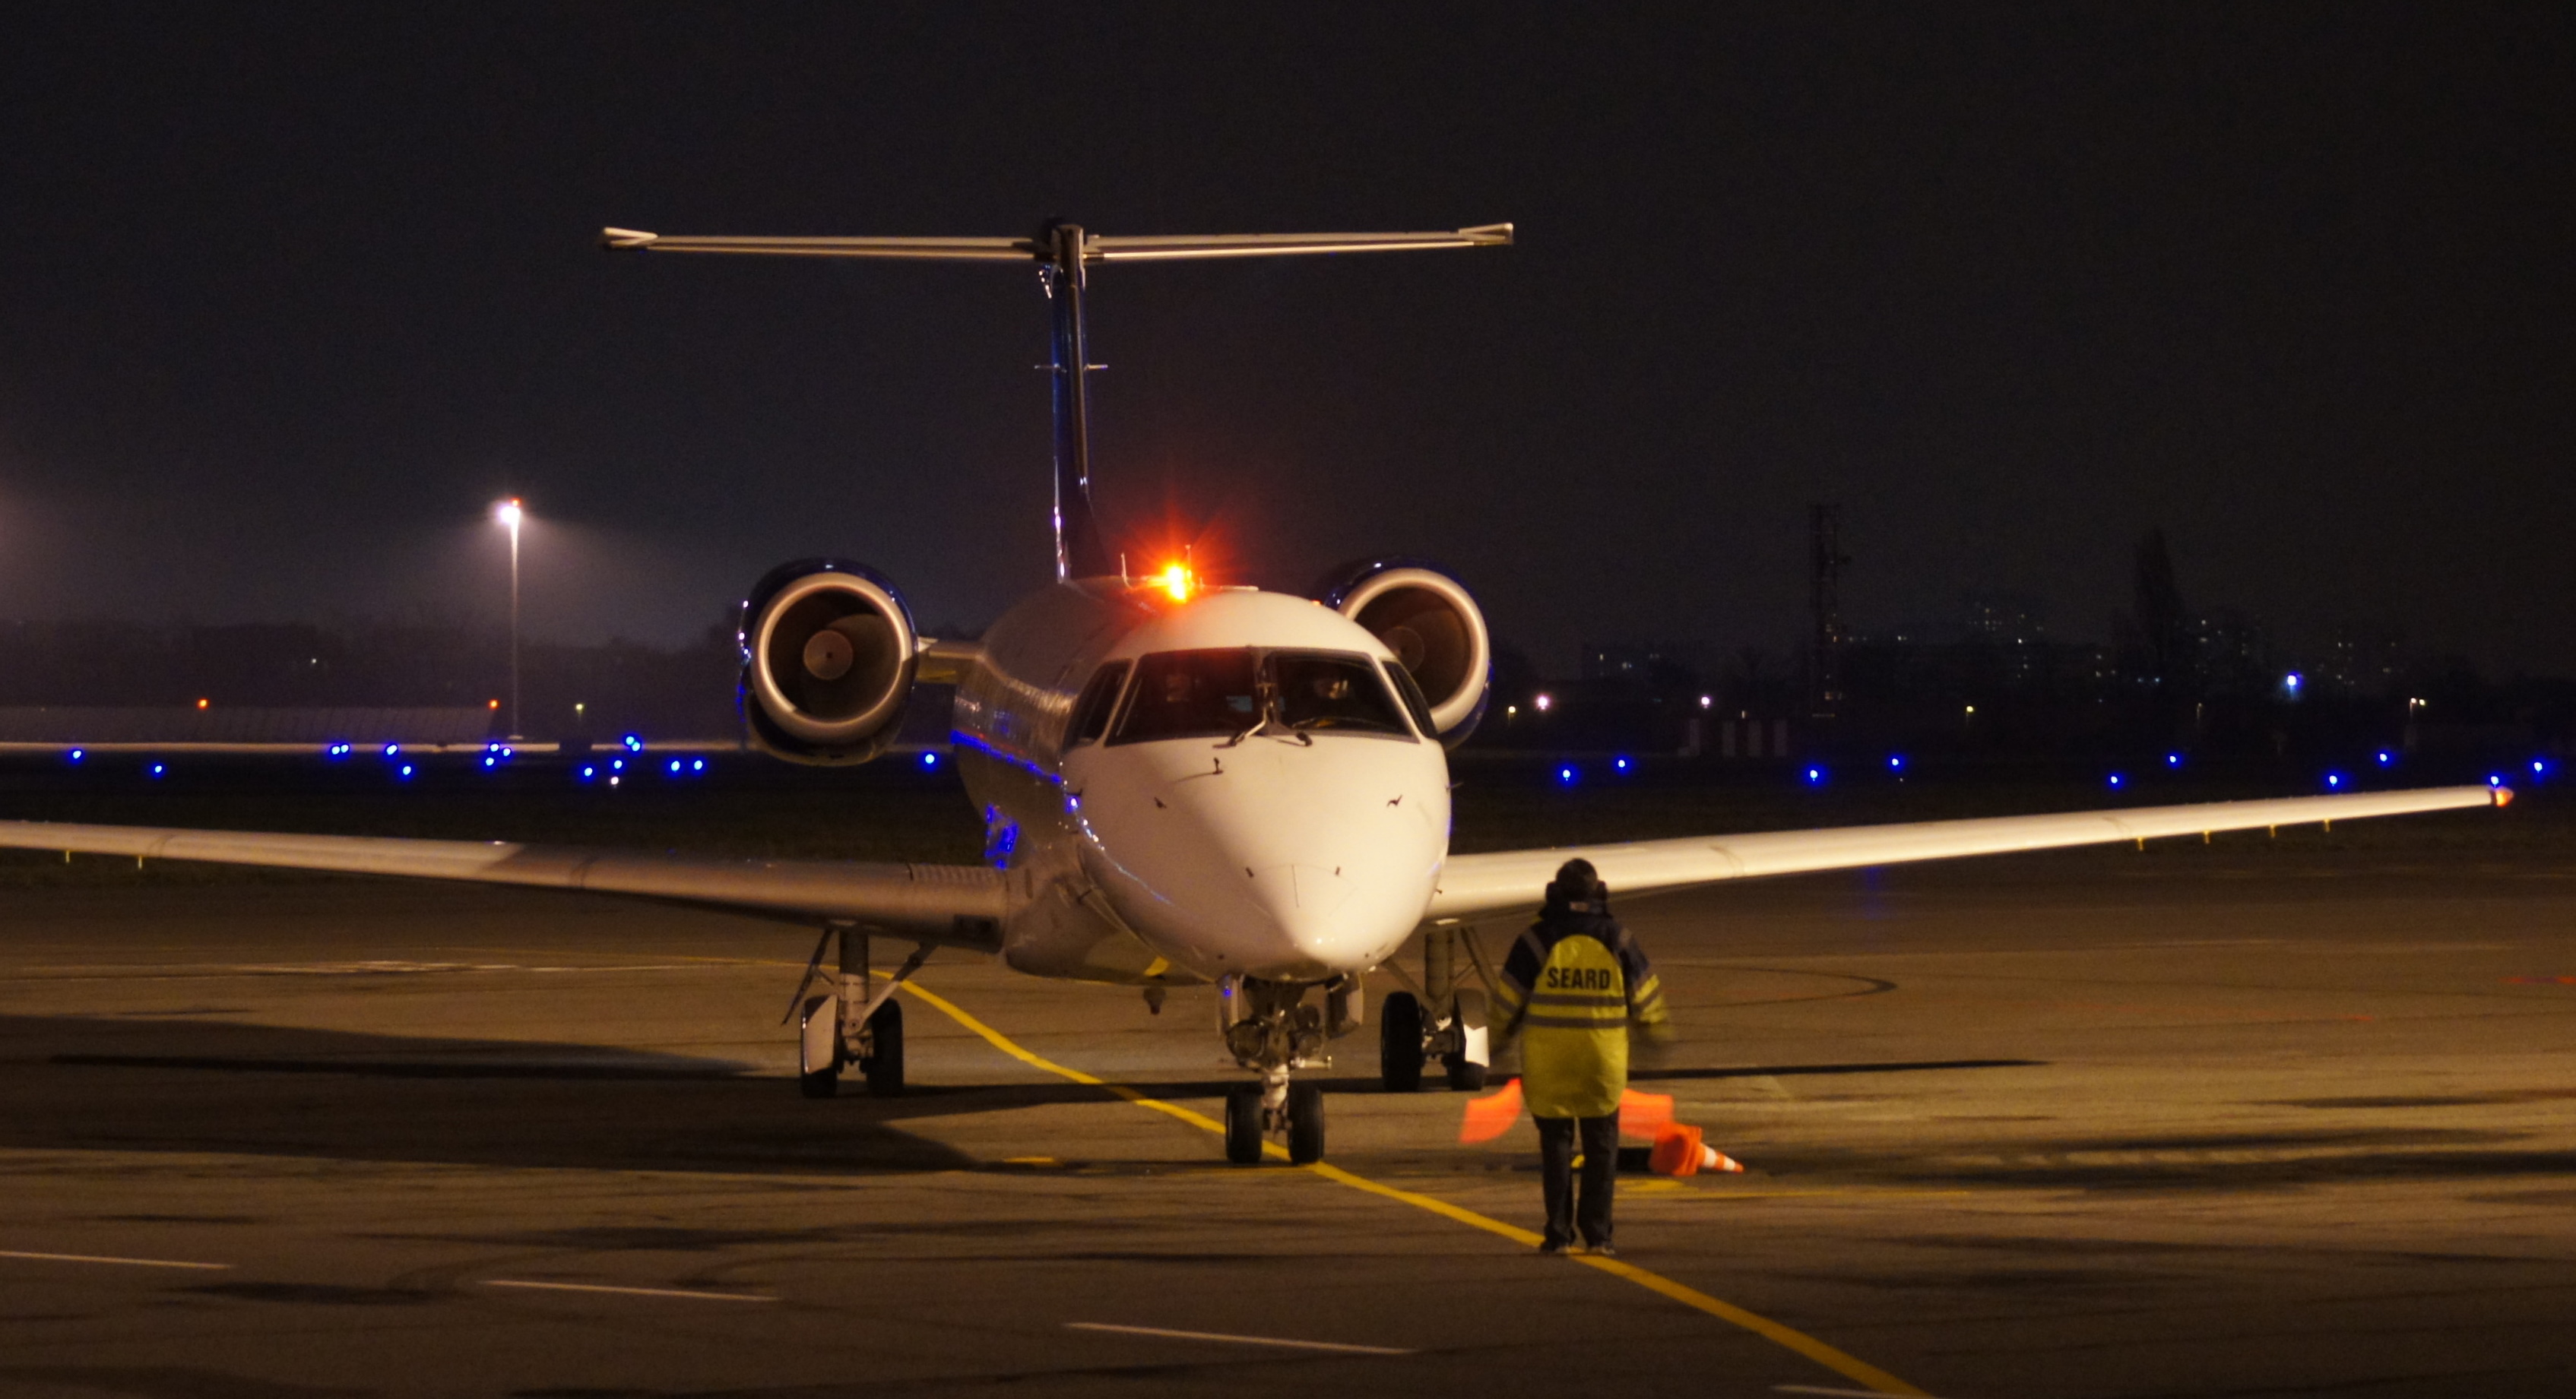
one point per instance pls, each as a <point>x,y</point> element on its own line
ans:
<point>1849,1367</point>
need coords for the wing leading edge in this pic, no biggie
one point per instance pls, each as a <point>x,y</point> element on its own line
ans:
<point>953,905</point>
<point>1511,881</point>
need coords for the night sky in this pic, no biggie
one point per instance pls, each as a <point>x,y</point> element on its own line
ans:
<point>287,297</point>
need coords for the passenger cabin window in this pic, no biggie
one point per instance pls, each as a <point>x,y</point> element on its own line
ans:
<point>1182,694</point>
<point>1091,711</point>
<point>1324,693</point>
<point>1230,693</point>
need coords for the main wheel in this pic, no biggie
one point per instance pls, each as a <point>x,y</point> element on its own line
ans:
<point>1305,1123</point>
<point>1399,1042</point>
<point>1243,1126</point>
<point>884,1064</point>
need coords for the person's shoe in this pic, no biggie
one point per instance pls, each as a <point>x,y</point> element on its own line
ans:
<point>1551,1248</point>
<point>1602,1251</point>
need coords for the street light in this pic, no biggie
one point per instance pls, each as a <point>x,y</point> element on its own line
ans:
<point>510,514</point>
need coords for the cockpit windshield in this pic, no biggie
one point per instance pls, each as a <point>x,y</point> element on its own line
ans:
<point>1236,692</point>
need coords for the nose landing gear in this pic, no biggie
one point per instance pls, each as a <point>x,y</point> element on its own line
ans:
<point>1271,1029</point>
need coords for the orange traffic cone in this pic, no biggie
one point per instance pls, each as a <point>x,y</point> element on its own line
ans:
<point>1680,1152</point>
<point>1491,1116</point>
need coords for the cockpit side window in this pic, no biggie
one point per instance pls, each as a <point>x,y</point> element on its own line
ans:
<point>1414,703</point>
<point>1320,692</point>
<point>1091,711</point>
<point>1182,694</point>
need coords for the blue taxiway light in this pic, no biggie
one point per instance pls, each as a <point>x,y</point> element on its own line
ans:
<point>2334,779</point>
<point>77,754</point>
<point>393,750</point>
<point>1620,763</point>
<point>1895,763</point>
<point>490,761</point>
<point>1815,777</point>
<point>2539,767</point>
<point>2115,779</point>
<point>2495,779</point>
<point>2385,757</point>
<point>634,743</point>
<point>160,770</point>
<point>617,765</point>
<point>1565,777</point>
<point>930,760</point>
<point>587,773</point>
<point>406,772</point>
<point>2173,760</point>
<point>698,765</point>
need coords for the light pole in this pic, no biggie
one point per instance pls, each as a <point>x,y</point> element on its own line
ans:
<point>509,513</point>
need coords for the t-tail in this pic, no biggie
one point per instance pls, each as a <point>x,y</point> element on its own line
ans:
<point>1064,253</point>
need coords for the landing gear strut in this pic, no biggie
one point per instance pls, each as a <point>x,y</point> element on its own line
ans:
<point>855,1023</point>
<point>1439,1020</point>
<point>1271,1029</point>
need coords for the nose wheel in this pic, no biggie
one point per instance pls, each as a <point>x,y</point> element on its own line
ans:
<point>1272,1030</point>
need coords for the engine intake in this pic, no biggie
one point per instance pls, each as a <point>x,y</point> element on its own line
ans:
<point>828,655</point>
<point>1432,624</point>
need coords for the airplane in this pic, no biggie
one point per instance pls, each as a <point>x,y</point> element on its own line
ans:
<point>1182,782</point>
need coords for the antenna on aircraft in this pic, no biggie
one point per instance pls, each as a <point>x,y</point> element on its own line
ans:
<point>1064,253</point>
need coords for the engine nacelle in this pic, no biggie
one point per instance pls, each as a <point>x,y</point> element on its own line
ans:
<point>1433,626</point>
<point>828,655</point>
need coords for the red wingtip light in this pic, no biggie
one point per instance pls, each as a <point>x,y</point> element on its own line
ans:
<point>2504,796</point>
<point>203,703</point>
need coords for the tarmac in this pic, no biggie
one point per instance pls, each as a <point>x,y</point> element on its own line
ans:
<point>2197,1121</point>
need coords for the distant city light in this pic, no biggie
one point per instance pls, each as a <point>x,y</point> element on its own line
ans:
<point>510,513</point>
<point>1707,700</point>
<point>203,703</point>
<point>1541,702</point>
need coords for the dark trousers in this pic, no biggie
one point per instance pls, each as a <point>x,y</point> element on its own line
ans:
<point>1556,1136</point>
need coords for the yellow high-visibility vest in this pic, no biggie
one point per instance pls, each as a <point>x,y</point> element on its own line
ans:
<point>1574,1033</point>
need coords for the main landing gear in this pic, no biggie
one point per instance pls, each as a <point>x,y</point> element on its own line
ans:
<point>1438,1020</point>
<point>855,1023</point>
<point>1271,1029</point>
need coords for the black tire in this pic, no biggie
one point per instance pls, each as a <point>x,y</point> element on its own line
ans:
<point>884,1064</point>
<point>1399,1042</point>
<point>1305,1123</point>
<point>823,1083</point>
<point>1243,1126</point>
<point>1465,1074</point>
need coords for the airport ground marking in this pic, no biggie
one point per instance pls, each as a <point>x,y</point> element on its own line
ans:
<point>629,1291</point>
<point>1282,1342</point>
<point>1849,1367</point>
<point>124,1262</point>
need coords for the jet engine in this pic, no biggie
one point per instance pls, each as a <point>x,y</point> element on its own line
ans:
<point>828,655</point>
<point>1433,626</point>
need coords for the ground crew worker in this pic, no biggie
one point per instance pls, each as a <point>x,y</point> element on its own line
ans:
<point>1571,988</point>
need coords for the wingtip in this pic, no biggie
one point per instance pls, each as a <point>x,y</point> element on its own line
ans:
<point>2504,796</point>
<point>627,238</point>
<point>1496,234</point>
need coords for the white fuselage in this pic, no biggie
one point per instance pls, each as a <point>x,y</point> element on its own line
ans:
<point>1274,852</point>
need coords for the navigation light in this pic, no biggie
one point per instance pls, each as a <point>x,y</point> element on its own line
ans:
<point>1177,580</point>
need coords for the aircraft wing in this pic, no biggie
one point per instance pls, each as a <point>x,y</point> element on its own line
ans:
<point>1513,881</point>
<point>952,905</point>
